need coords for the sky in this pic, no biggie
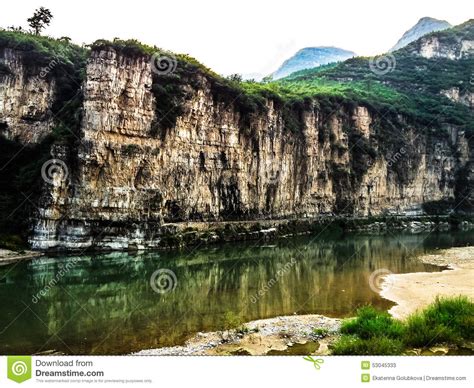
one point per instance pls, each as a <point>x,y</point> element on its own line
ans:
<point>245,36</point>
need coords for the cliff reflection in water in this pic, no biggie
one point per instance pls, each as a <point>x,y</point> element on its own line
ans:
<point>104,304</point>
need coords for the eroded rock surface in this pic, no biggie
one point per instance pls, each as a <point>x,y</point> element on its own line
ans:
<point>130,180</point>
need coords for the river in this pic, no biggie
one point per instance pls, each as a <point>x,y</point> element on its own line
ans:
<point>105,304</point>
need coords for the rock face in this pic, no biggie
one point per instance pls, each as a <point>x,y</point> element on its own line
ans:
<point>26,97</point>
<point>310,57</point>
<point>422,27</point>
<point>461,96</point>
<point>453,45</point>
<point>126,181</point>
<point>431,47</point>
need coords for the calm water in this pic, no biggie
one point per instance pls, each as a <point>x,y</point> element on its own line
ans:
<point>104,304</point>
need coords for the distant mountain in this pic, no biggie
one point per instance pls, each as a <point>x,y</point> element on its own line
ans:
<point>310,57</point>
<point>424,26</point>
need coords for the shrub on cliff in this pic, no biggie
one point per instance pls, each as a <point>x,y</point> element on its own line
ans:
<point>39,51</point>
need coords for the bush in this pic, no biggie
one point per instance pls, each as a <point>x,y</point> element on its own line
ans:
<point>231,320</point>
<point>373,323</point>
<point>447,320</point>
<point>40,50</point>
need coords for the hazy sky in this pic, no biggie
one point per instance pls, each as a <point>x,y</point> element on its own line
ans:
<point>243,36</point>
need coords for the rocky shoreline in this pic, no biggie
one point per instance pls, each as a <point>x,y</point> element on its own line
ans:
<point>188,234</point>
<point>204,233</point>
<point>8,256</point>
<point>259,337</point>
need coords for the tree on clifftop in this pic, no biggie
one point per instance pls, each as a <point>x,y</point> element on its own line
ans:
<point>40,19</point>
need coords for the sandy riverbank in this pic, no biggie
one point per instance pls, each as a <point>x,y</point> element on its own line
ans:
<point>258,337</point>
<point>414,291</point>
<point>7,256</point>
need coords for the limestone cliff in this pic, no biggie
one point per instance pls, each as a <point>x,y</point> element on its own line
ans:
<point>130,181</point>
<point>132,171</point>
<point>26,99</point>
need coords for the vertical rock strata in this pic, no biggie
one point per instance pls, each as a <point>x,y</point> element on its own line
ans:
<point>26,97</point>
<point>128,180</point>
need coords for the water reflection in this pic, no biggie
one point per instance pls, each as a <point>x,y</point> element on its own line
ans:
<point>104,304</point>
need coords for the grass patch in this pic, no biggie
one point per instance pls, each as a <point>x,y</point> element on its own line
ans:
<point>231,320</point>
<point>446,321</point>
<point>372,323</point>
<point>351,344</point>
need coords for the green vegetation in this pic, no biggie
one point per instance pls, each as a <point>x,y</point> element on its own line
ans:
<point>372,323</point>
<point>321,332</point>
<point>353,345</point>
<point>38,51</point>
<point>412,88</point>
<point>231,320</point>
<point>447,321</point>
